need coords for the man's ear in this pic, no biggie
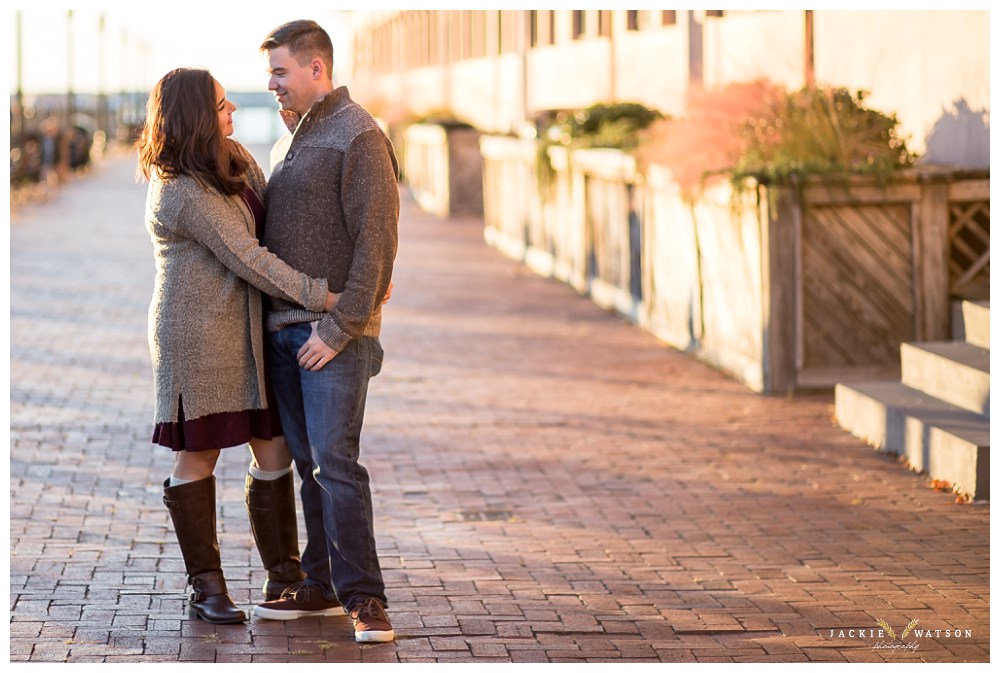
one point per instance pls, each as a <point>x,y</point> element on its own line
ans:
<point>317,68</point>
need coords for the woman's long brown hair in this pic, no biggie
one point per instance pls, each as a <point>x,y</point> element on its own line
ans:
<point>181,135</point>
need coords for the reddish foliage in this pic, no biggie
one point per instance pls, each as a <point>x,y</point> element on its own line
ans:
<point>940,485</point>
<point>713,136</point>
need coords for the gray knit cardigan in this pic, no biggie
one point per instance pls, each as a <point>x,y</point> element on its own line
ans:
<point>205,333</point>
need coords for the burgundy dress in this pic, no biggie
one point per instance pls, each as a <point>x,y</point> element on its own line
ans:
<point>231,428</point>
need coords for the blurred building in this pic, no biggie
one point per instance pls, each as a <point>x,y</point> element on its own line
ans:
<point>499,69</point>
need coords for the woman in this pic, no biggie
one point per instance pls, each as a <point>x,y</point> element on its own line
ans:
<point>204,214</point>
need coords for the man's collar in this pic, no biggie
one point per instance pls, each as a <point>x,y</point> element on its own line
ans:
<point>325,104</point>
<point>329,101</point>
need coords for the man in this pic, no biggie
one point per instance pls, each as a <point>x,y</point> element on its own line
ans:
<point>332,212</point>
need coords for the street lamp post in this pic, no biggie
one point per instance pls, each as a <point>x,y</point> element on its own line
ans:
<point>102,95</point>
<point>17,123</point>
<point>70,94</point>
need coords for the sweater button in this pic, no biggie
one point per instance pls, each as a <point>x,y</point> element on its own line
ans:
<point>288,157</point>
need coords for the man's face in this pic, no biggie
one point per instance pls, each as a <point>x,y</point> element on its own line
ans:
<point>293,84</point>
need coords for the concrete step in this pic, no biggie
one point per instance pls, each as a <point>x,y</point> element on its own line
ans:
<point>946,442</point>
<point>970,321</point>
<point>954,371</point>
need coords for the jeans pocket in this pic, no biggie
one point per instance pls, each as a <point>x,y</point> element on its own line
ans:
<point>296,334</point>
<point>377,355</point>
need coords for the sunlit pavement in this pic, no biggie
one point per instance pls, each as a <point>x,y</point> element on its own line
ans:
<point>550,483</point>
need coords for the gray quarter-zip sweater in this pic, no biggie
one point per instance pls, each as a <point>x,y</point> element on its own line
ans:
<point>332,212</point>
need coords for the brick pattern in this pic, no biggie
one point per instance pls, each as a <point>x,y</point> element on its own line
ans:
<point>551,484</point>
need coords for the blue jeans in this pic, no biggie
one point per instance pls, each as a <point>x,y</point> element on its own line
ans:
<point>322,413</point>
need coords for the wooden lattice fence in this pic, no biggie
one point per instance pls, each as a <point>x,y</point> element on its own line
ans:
<point>969,242</point>
<point>876,266</point>
<point>855,261</point>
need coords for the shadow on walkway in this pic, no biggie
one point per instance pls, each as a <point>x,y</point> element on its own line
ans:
<point>550,483</point>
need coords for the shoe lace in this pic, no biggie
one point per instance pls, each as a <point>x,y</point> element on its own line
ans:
<point>371,608</point>
<point>300,592</point>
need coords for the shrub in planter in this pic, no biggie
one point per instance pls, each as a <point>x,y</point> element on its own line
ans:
<point>442,117</point>
<point>755,129</point>
<point>823,131</point>
<point>615,125</point>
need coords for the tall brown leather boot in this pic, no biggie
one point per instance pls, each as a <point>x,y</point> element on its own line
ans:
<point>192,509</point>
<point>271,508</point>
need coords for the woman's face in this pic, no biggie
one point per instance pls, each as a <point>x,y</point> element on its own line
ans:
<point>225,109</point>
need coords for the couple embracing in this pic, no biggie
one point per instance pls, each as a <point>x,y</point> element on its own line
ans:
<point>287,373</point>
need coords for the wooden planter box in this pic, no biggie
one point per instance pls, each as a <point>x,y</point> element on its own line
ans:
<point>443,168</point>
<point>784,288</point>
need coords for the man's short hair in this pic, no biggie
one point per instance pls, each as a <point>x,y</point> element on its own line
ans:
<point>305,40</point>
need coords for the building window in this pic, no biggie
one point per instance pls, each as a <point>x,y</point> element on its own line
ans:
<point>473,34</point>
<point>632,19</point>
<point>427,43</point>
<point>454,33</point>
<point>508,32</point>
<point>543,27</point>
<point>604,23</point>
<point>478,37</point>
<point>579,26</point>
<point>433,48</point>
<point>717,13</point>
<point>668,17</point>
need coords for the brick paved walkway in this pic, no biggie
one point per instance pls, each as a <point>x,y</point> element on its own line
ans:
<point>551,484</point>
